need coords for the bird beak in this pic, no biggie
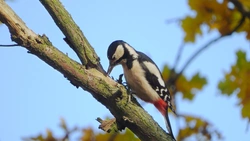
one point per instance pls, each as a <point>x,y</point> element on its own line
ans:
<point>110,68</point>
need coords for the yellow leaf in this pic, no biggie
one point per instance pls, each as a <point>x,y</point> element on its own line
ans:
<point>202,6</point>
<point>88,135</point>
<point>216,15</point>
<point>246,28</point>
<point>197,127</point>
<point>191,27</point>
<point>165,73</point>
<point>245,4</point>
<point>187,87</point>
<point>50,136</point>
<point>126,136</point>
<point>245,110</point>
<point>38,138</point>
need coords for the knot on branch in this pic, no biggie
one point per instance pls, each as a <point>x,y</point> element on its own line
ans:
<point>110,125</point>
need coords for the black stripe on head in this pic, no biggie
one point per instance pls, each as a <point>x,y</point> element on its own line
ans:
<point>116,52</point>
<point>129,57</point>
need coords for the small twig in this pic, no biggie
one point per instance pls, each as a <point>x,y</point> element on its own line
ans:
<point>68,133</point>
<point>169,21</point>
<point>247,127</point>
<point>13,45</point>
<point>177,59</point>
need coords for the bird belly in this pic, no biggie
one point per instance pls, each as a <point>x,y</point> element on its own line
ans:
<point>136,81</point>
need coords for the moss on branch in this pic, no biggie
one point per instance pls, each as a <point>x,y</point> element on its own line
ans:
<point>108,92</point>
<point>73,35</point>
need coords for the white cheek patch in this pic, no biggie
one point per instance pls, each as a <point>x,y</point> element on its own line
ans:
<point>118,52</point>
<point>154,70</point>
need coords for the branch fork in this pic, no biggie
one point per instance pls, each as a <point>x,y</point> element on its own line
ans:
<point>89,75</point>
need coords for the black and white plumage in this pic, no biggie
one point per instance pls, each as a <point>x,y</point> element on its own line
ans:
<point>142,76</point>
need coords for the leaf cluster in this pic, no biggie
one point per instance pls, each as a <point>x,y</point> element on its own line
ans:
<point>237,82</point>
<point>84,134</point>
<point>220,16</point>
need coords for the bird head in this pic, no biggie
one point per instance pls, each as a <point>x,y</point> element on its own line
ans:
<point>120,52</point>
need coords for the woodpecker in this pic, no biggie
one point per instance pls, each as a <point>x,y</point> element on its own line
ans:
<point>142,75</point>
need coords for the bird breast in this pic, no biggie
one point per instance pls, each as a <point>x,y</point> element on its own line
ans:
<point>136,80</point>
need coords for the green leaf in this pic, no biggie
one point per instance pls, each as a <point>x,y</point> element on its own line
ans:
<point>197,81</point>
<point>188,88</point>
<point>166,72</point>
<point>245,110</point>
<point>191,27</point>
<point>126,136</point>
<point>197,127</point>
<point>237,82</point>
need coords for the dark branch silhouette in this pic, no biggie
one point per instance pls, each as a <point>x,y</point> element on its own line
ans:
<point>174,77</point>
<point>13,45</point>
<point>241,8</point>
<point>178,57</point>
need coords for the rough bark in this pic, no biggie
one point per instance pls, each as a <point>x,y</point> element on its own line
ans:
<point>89,75</point>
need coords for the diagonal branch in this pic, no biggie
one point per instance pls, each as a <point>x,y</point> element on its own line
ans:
<point>74,36</point>
<point>108,92</point>
<point>176,76</point>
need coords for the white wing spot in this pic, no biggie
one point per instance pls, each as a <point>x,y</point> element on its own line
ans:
<point>165,98</point>
<point>157,89</point>
<point>169,103</point>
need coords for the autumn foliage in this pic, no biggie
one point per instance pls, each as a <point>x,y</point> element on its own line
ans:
<point>224,16</point>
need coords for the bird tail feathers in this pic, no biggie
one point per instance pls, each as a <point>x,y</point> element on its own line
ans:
<point>168,125</point>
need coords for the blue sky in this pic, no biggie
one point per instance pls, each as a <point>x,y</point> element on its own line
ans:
<point>34,96</point>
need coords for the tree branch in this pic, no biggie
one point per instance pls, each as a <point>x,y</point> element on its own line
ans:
<point>175,77</point>
<point>108,92</point>
<point>241,8</point>
<point>178,57</point>
<point>74,36</point>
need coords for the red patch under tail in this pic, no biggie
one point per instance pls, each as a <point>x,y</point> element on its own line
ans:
<point>162,106</point>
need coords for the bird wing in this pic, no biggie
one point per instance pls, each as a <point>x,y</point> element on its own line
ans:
<point>154,77</point>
